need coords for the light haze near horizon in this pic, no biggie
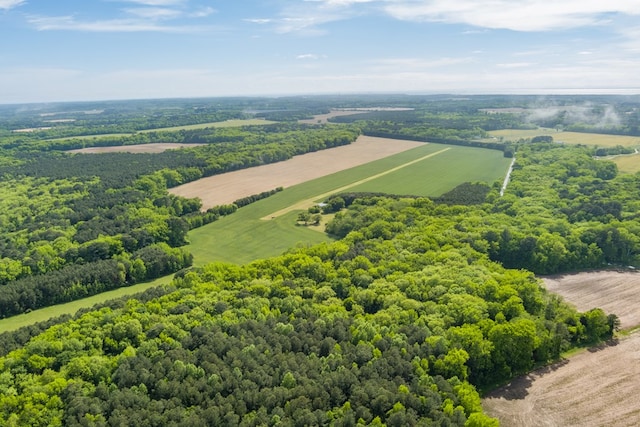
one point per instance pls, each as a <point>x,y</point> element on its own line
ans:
<point>130,49</point>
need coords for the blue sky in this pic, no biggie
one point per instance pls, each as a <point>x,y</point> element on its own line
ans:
<point>67,50</point>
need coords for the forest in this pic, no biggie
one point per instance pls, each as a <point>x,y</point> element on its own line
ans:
<point>416,307</point>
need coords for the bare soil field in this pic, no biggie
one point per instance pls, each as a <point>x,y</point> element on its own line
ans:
<point>224,189</point>
<point>613,291</point>
<point>593,388</point>
<point>158,147</point>
<point>598,387</point>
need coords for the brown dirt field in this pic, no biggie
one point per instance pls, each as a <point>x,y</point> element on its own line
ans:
<point>598,387</point>
<point>613,291</point>
<point>306,204</point>
<point>158,147</point>
<point>225,188</point>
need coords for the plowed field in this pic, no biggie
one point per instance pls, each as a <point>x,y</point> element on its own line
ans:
<point>598,387</point>
<point>223,189</point>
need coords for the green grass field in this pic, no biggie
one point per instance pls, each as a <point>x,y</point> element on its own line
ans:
<point>244,237</point>
<point>225,124</point>
<point>16,322</point>
<point>595,139</point>
<point>441,173</point>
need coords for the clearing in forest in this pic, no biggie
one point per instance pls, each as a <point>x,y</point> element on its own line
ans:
<point>594,139</point>
<point>157,147</point>
<point>593,388</point>
<point>225,188</point>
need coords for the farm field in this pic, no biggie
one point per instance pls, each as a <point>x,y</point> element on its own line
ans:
<point>627,164</point>
<point>596,139</point>
<point>224,124</point>
<point>223,189</point>
<point>435,175</point>
<point>592,388</point>
<point>43,314</point>
<point>157,147</point>
<point>233,238</point>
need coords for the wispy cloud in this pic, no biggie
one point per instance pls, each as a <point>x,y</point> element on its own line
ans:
<point>69,23</point>
<point>420,63</point>
<point>155,2</point>
<point>309,56</point>
<point>155,13</point>
<point>518,15</point>
<point>10,4</point>
<point>515,65</point>
<point>148,16</point>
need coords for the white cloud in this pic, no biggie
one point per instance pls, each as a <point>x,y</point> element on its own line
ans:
<point>260,21</point>
<point>420,63</point>
<point>518,15</point>
<point>153,12</point>
<point>308,56</point>
<point>156,2</point>
<point>69,23</point>
<point>515,65</point>
<point>10,4</point>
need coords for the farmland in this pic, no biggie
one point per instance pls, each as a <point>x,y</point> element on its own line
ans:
<point>233,238</point>
<point>225,188</point>
<point>593,139</point>
<point>139,148</point>
<point>593,388</point>
<point>628,164</point>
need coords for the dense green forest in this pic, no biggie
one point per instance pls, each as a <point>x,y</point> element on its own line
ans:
<point>416,305</point>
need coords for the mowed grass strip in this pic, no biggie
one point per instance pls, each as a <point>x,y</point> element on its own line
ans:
<point>594,139</point>
<point>244,237</point>
<point>305,204</point>
<point>43,314</point>
<point>436,175</point>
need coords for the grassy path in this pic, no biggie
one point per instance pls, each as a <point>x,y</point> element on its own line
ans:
<point>35,316</point>
<point>307,203</point>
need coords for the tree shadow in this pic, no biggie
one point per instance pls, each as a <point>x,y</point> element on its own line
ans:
<point>518,388</point>
<point>603,345</point>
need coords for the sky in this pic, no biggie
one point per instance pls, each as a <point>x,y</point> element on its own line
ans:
<point>81,50</point>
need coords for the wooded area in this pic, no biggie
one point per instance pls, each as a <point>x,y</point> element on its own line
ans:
<point>416,305</point>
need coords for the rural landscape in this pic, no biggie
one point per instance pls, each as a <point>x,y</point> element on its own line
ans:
<point>340,260</point>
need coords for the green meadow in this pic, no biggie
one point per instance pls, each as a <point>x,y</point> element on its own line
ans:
<point>244,236</point>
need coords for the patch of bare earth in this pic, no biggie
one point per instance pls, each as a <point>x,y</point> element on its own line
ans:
<point>225,188</point>
<point>613,291</point>
<point>157,147</point>
<point>598,387</point>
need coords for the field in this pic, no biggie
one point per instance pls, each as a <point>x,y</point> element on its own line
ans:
<point>595,139</point>
<point>233,238</point>
<point>225,124</point>
<point>43,314</point>
<point>137,148</point>
<point>225,188</point>
<point>628,164</point>
<point>593,388</point>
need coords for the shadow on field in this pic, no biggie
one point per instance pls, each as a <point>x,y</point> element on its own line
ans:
<point>518,388</point>
<point>610,343</point>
